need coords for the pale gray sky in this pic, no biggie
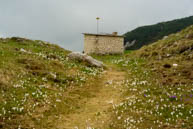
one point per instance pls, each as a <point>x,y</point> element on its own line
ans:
<point>63,21</point>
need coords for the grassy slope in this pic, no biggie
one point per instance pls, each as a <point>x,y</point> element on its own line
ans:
<point>165,54</point>
<point>159,94</point>
<point>37,83</point>
<point>149,34</point>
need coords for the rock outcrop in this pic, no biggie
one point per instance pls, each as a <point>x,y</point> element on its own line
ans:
<point>85,58</point>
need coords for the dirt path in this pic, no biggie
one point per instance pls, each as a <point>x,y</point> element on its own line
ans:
<point>96,111</point>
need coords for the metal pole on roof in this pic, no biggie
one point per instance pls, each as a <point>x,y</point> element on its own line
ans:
<point>97,24</point>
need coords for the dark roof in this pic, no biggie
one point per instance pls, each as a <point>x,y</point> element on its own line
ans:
<point>109,35</point>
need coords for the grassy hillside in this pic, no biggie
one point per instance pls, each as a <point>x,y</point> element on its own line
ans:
<point>38,83</point>
<point>158,89</point>
<point>149,34</point>
<point>172,57</point>
<point>151,88</point>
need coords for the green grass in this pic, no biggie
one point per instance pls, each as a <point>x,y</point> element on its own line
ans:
<point>148,103</point>
<point>37,83</point>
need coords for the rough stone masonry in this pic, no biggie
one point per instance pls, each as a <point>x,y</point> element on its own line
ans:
<point>103,43</point>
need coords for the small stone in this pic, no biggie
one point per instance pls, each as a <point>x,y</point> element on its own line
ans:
<point>175,65</point>
<point>165,37</point>
<point>58,100</point>
<point>23,50</point>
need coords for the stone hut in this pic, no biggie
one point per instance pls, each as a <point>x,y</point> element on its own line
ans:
<point>103,43</point>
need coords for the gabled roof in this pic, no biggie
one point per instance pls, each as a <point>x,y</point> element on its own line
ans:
<point>108,35</point>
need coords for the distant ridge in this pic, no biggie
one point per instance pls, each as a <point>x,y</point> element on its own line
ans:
<point>148,34</point>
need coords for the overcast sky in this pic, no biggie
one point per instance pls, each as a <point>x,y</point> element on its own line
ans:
<point>63,21</point>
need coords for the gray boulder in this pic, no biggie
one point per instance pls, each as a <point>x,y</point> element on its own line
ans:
<point>165,37</point>
<point>129,44</point>
<point>85,58</point>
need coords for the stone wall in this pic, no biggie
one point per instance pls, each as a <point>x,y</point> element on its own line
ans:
<point>103,44</point>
